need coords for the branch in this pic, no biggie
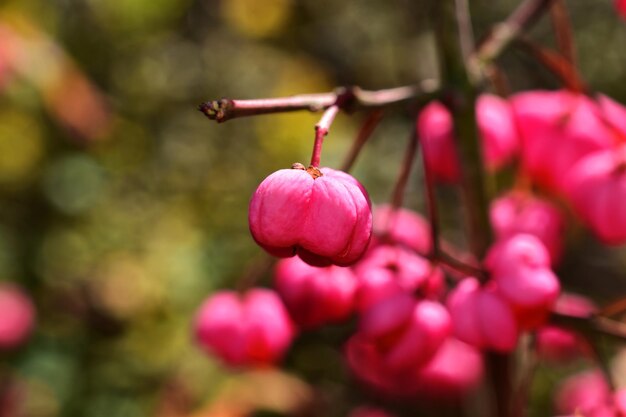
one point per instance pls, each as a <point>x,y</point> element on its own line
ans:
<point>352,98</point>
<point>562,25</point>
<point>397,195</point>
<point>371,121</point>
<point>556,63</point>
<point>503,34</point>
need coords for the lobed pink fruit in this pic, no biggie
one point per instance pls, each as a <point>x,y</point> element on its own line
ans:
<point>549,120</point>
<point>519,212</point>
<point>586,393</point>
<point>435,128</point>
<point>558,344</point>
<point>596,187</point>
<point>406,333</point>
<point>253,329</point>
<point>481,318</point>
<point>322,215</point>
<point>520,269</point>
<point>315,296</point>
<point>456,369</point>
<point>614,114</point>
<point>402,226</point>
<point>17,317</point>
<point>500,140</point>
<point>387,270</point>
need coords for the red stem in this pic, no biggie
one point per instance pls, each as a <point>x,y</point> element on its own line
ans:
<point>321,130</point>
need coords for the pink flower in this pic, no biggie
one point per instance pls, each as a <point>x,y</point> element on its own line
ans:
<point>17,316</point>
<point>388,270</point>
<point>481,318</point>
<point>402,226</point>
<point>323,215</point>
<point>520,268</point>
<point>596,188</point>
<point>500,140</point>
<point>315,296</point>
<point>519,212</point>
<point>436,132</point>
<point>551,120</point>
<point>253,329</point>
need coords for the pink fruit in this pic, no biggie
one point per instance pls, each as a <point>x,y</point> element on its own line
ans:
<point>558,344</point>
<point>452,373</point>
<point>405,333</point>
<point>387,270</point>
<point>481,318</point>
<point>323,215</point>
<point>584,393</point>
<point>614,114</point>
<point>596,188</point>
<point>17,316</point>
<point>253,329</point>
<point>315,296</point>
<point>436,132</point>
<point>520,269</point>
<point>550,120</point>
<point>500,140</point>
<point>402,226</point>
<point>519,212</point>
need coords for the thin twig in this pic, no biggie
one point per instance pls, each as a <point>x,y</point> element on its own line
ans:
<point>349,99</point>
<point>466,31</point>
<point>563,33</point>
<point>365,132</point>
<point>563,69</point>
<point>397,195</point>
<point>503,34</point>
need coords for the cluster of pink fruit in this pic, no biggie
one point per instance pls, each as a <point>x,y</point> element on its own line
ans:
<point>415,327</point>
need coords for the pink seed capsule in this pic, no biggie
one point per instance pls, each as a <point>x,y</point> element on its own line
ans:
<point>406,333</point>
<point>583,393</point>
<point>614,114</point>
<point>387,270</point>
<point>596,188</point>
<point>17,316</point>
<point>481,318</point>
<point>452,373</point>
<point>249,330</point>
<point>315,296</point>
<point>520,268</point>
<point>550,120</point>
<point>402,226</point>
<point>557,344</point>
<point>436,132</point>
<point>519,212</point>
<point>323,215</point>
<point>500,140</point>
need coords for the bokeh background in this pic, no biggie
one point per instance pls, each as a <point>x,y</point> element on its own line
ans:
<point>122,207</point>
